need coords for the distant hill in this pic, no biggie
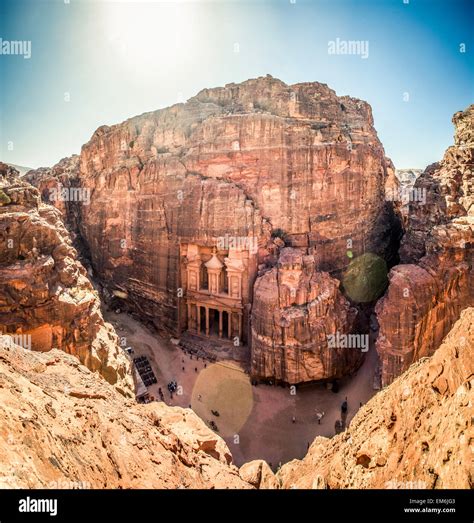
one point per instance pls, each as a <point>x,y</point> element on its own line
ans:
<point>408,176</point>
<point>22,170</point>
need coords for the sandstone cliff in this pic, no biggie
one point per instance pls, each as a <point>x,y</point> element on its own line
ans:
<point>245,160</point>
<point>46,299</point>
<point>295,309</point>
<point>304,159</point>
<point>415,433</point>
<point>426,295</point>
<point>449,190</point>
<point>63,427</point>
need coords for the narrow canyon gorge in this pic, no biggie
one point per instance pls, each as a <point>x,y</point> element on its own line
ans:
<point>253,229</point>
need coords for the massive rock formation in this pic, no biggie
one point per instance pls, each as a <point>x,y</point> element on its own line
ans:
<point>63,427</point>
<point>449,190</point>
<point>46,299</point>
<point>416,433</point>
<point>242,161</point>
<point>50,182</point>
<point>427,294</point>
<point>294,311</point>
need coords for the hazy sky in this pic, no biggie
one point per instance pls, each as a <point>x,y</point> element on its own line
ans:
<point>95,63</point>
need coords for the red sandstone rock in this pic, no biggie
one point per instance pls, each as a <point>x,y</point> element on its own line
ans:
<point>259,474</point>
<point>242,160</point>
<point>425,297</point>
<point>415,433</point>
<point>63,427</point>
<point>295,309</point>
<point>46,298</point>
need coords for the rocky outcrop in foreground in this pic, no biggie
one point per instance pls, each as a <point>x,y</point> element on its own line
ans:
<point>415,433</point>
<point>428,292</point>
<point>64,427</point>
<point>46,298</point>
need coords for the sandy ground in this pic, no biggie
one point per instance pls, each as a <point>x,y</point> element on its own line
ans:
<point>255,421</point>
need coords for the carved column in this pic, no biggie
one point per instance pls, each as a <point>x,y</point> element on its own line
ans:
<point>214,268</point>
<point>193,264</point>
<point>229,324</point>
<point>220,323</point>
<point>207,321</point>
<point>235,269</point>
<point>198,319</point>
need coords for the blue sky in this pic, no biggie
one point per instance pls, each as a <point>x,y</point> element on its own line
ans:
<point>95,63</point>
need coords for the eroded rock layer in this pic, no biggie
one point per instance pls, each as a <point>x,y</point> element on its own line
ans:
<point>46,298</point>
<point>415,433</point>
<point>426,296</point>
<point>295,309</point>
<point>446,190</point>
<point>226,162</point>
<point>63,427</point>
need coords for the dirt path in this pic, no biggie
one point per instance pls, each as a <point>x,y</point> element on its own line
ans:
<point>256,421</point>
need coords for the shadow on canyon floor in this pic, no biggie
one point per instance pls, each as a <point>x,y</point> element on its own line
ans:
<point>255,421</point>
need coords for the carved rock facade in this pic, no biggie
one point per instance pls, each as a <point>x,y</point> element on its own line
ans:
<point>226,170</point>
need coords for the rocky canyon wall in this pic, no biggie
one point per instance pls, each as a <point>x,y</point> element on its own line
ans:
<point>436,282</point>
<point>245,160</point>
<point>294,311</point>
<point>63,427</point>
<point>46,298</point>
<point>415,433</point>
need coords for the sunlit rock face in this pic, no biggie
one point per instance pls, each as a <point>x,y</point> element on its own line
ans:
<point>51,181</point>
<point>295,311</point>
<point>412,434</point>
<point>243,160</point>
<point>448,187</point>
<point>428,292</point>
<point>46,299</point>
<point>75,431</point>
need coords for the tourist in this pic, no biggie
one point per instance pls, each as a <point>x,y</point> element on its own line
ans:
<point>294,419</point>
<point>319,416</point>
<point>199,397</point>
<point>195,369</point>
<point>344,406</point>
